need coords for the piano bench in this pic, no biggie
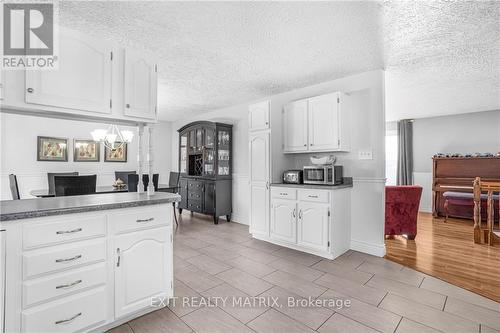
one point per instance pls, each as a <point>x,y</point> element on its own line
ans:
<point>467,199</point>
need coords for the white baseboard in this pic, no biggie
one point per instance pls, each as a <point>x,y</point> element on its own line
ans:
<point>373,249</point>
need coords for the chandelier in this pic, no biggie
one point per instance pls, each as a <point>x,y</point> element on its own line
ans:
<point>112,137</point>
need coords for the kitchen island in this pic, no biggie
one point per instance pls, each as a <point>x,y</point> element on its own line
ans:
<point>85,263</point>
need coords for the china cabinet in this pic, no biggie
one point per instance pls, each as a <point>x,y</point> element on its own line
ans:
<point>205,164</point>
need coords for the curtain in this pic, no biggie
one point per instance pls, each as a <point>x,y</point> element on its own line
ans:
<point>405,152</point>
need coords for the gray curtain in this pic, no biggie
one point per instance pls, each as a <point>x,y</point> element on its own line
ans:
<point>405,152</point>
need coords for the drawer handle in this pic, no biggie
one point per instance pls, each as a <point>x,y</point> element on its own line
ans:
<point>69,259</point>
<point>283,193</point>
<point>64,321</point>
<point>69,285</point>
<point>69,231</point>
<point>313,196</point>
<point>145,220</point>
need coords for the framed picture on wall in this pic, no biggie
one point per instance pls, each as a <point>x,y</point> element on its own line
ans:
<point>86,151</point>
<point>119,154</point>
<point>52,149</point>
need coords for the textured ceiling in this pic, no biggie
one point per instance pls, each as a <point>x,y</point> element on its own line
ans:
<point>441,57</point>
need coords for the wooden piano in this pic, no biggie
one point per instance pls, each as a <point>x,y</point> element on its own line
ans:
<point>457,174</point>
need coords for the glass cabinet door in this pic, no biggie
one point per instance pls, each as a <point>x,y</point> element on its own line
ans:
<point>199,139</point>
<point>209,152</point>
<point>223,156</point>
<point>183,153</point>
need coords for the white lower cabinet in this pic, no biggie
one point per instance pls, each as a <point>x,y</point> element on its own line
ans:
<point>142,269</point>
<point>283,220</point>
<point>312,226</point>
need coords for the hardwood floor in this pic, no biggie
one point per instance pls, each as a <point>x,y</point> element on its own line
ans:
<point>447,251</point>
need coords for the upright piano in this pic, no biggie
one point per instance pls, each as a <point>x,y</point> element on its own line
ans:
<point>457,174</point>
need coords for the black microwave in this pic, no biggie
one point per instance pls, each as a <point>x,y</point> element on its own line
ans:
<point>323,174</point>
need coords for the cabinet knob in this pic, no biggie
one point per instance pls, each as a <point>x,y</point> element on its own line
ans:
<point>312,144</point>
<point>30,90</point>
<point>305,145</point>
<point>267,123</point>
<point>127,106</point>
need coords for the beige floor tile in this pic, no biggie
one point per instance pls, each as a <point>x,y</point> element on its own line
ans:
<point>275,322</point>
<point>261,245</point>
<point>184,252</point>
<point>376,260</point>
<point>219,253</point>
<point>448,289</point>
<point>419,295</point>
<point>245,282</point>
<point>410,277</point>
<point>196,279</point>
<point>357,290</point>
<point>297,256</point>
<point>181,304</point>
<point>212,320</point>
<point>256,255</point>
<point>364,313</point>
<point>343,271</point>
<point>486,329</point>
<point>193,243</point>
<point>180,263</point>
<point>250,266</point>
<point>235,302</point>
<point>208,264</point>
<point>473,312</point>
<point>162,320</point>
<point>311,316</point>
<point>340,324</point>
<point>232,237</point>
<point>125,328</point>
<point>427,315</point>
<point>294,284</point>
<point>297,269</point>
<point>409,326</point>
<point>349,260</point>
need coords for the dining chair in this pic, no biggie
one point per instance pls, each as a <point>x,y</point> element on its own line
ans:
<point>132,182</point>
<point>173,187</point>
<point>145,180</point>
<point>74,185</point>
<point>14,188</point>
<point>51,175</point>
<point>123,175</point>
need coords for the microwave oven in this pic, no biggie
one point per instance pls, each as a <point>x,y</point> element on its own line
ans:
<point>323,174</point>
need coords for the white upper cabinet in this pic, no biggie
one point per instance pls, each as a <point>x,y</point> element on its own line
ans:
<point>295,122</point>
<point>140,79</point>
<point>258,116</point>
<point>83,80</point>
<point>317,124</point>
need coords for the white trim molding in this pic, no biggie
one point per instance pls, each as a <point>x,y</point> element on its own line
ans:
<point>369,248</point>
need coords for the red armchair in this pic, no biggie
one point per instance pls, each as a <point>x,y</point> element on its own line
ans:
<point>401,210</point>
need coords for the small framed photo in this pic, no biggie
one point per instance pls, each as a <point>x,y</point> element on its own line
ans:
<point>52,149</point>
<point>86,150</point>
<point>119,154</point>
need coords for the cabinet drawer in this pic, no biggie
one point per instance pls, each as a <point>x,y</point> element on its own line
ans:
<point>195,205</point>
<point>140,218</point>
<point>314,195</point>
<point>63,230</point>
<point>62,284</point>
<point>62,257</point>
<point>284,193</point>
<point>195,186</point>
<point>71,314</point>
<point>195,196</point>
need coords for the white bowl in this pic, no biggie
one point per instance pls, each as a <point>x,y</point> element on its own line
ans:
<point>322,160</point>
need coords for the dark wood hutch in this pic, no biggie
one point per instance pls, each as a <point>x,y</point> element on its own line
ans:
<point>205,165</point>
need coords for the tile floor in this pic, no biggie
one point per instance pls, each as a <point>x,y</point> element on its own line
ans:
<point>356,292</point>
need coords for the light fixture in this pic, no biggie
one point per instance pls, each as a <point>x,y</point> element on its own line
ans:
<point>112,138</point>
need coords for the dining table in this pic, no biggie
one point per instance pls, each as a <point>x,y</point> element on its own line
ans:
<point>45,193</point>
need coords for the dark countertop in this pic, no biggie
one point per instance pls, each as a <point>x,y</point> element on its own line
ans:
<point>347,183</point>
<point>30,208</point>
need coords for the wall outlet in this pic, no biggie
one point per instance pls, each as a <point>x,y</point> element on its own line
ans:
<point>365,154</point>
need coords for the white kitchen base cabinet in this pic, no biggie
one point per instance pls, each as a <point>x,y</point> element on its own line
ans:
<point>315,221</point>
<point>87,271</point>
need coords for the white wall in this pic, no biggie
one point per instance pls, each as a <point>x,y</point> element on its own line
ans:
<point>464,133</point>
<point>18,141</point>
<point>368,131</point>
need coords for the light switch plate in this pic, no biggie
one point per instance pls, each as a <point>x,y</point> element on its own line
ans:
<point>365,154</point>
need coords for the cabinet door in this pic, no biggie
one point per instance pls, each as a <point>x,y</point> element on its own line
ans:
<point>312,225</point>
<point>258,116</point>
<point>140,86</point>
<point>259,183</point>
<point>209,198</point>
<point>295,126</point>
<point>143,269</point>
<point>183,191</point>
<point>83,80</point>
<point>324,123</point>
<point>283,220</point>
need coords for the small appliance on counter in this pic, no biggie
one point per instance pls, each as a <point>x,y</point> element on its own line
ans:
<point>323,174</point>
<point>292,177</point>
